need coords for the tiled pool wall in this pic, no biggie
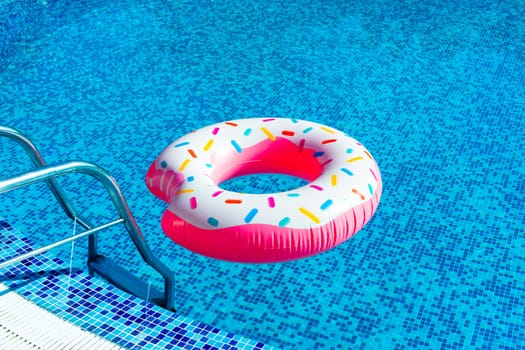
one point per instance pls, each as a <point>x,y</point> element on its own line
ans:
<point>98,307</point>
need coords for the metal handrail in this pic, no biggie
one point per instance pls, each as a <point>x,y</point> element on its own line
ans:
<point>48,174</point>
<point>57,244</point>
<point>38,161</point>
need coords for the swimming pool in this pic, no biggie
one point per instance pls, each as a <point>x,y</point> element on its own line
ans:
<point>435,90</point>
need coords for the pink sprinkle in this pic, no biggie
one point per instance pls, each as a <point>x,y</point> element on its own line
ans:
<point>318,188</point>
<point>373,174</point>
<point>193,202</point>
<point>268,120</point>
<point>215,131</point>
<point>328,161</point>
<point>216,193</point>
<point>301,145</point>
<point>271,202</point>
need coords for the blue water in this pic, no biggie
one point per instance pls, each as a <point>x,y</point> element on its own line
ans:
<point>435,90</point>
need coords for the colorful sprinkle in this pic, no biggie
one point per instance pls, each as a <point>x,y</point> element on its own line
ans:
<point>318,154</point>
<point>247,132</point>
<point>184,164</point>
<point>163,164</point>
<point>293,195</point>
<point>193,203</point>
<point>236,146</point>
<point>212,221</point>
<point>208,145</point>
<point>349,150</point>
<point>330,131</point>
<point>301,145</point>
<point>182,144</point>
<point>356,192</point>
<point>370,189</point>
<point>217,193</point>
<point>328,141</point>
<point>354,159</point>
<point>231,124</point>
<point>373,174</point>
<point>309,215</point>
<point>233,201</point>
<point>190,178</point>
<point>368,154</point>
<point>346,171</point>
<point>334,180</point>
<point>307,130</point>
<point>268,120</point>
<point>287,133</point>
<point>268,133</point>
<point>185,191</point>
<point>315,187</point>
<point>284,221</point>
<point>215,131</point>
<point>326,204</point>
<point>248,218</point>
<point>328,161</point>
<point>192,153</point>
<point>271,202</point>
<point>208,165</point>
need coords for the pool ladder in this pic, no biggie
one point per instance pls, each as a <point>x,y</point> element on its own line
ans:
<point>97,263</point>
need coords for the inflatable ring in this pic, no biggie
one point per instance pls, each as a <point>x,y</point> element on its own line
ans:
<point>342,194</point>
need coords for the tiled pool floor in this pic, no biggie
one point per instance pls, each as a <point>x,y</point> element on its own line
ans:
<point>434,89</point>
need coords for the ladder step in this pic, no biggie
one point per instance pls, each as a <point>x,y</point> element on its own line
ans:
<point>125,280</point>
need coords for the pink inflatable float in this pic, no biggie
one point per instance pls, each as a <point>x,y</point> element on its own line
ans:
<point>342,194</point>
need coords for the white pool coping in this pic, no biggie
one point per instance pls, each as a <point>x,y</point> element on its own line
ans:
<point>24,325</point>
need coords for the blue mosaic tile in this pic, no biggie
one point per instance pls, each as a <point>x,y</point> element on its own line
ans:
<point>98,307</point>
<point>435,90</point>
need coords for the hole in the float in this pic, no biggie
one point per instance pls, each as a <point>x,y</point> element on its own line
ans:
<point>263,183</point>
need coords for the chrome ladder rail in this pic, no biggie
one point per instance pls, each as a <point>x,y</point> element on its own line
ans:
<point>97,264</point>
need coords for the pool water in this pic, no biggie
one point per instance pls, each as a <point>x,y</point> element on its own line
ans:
<point>434,90</point>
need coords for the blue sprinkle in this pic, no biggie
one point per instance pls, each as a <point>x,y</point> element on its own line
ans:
<point>307,130</point>
<point>209,165</point>
<point>163,164</point>
<point>212,221</point>
<point>250,215</point>
<point>247,132</point>
<point>318,154</point>
<point>295,121</point>
<point>190,178</point>
<point>293,194</point>
<point>349,150</point>
<point>182,144</point>
<point>236,146</point>
<point>346,171</point>
<point>326,204</point>
<point>285,221</point>
<point>370,189</point>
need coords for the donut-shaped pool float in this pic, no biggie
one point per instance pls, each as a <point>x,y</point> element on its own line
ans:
<point>342,193</point>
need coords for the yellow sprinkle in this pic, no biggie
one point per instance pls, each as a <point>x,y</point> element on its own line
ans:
<point>330,131</point>
<point>268,133</point>
<point>334,179</point>
<point>309,215</point>
<point>354,159</point>
<point>208,145</point>
<point>185,191</point>
<point>184,164</point>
